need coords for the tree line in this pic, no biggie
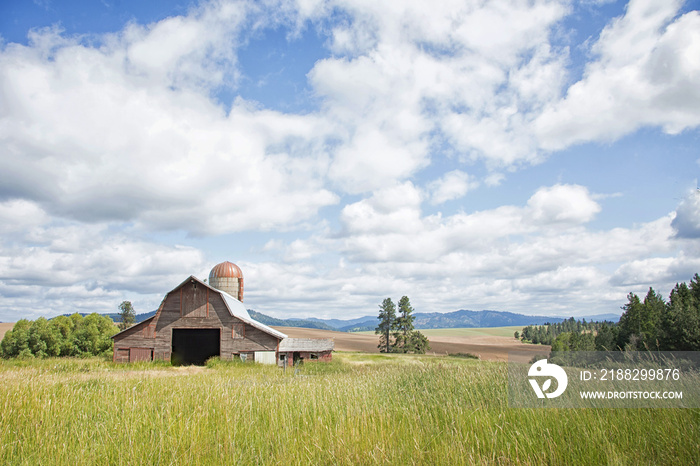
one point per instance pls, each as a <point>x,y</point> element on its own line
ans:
<point>73,335</point>
<point>547,334</point>
<point>649,324</point>
<point>396,332</point>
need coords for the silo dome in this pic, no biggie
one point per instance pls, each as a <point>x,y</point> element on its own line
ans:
<point>227,277</point>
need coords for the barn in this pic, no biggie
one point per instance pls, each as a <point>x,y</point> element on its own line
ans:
<point>198,320</point>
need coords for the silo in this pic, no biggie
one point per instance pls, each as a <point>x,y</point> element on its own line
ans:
<point>227,277</point>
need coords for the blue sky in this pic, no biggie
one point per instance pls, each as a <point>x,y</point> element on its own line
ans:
<point>538,157</point>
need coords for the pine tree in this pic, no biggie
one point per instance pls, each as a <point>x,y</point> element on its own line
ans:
<point>654,306</point>
<point>681,319</point>
<point>404,326</point>
<point>387,324</point>
<point>418,342</point>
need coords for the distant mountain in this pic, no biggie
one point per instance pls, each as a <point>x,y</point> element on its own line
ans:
<point>304,323</point>
<point>457,319</point>
<point>476,319</point>
<point>461,318</point>
<point>601,318</point>
<point>359,324</point>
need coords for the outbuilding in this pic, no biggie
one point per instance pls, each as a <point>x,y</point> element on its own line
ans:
<point>197,321</point>
<point>295,350</point>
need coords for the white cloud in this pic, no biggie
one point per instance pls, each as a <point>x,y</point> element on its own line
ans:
<point>539,273</point>
<point>475,73</point>
<point>63,268</point>
<point>395,209</point>
<point>108,137</point>
<point>401,233</point>
<point>20,216</point>
<point>91,134</point>
<point>494,179</point>
<point>645,74</point>
<point>562,204</point>
<point>687,220</point>
<point>452,185</point>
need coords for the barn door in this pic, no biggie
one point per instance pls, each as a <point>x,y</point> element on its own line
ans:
<point>140,354</point>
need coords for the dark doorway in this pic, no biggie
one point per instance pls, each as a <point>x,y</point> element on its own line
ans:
<point>195,345</point>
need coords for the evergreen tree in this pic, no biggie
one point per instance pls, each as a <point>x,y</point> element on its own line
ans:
<point>387,324</point>
<point>630,321</point>
<point>127,316</point>
<point>681,319</point>
<point>654,306</point>
<point>404,327</point>
<point>418,342</point>
<point>606,337</point>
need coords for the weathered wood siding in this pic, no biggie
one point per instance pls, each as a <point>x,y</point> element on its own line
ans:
<point>193,305</point>
<point>323,356</point>
<point>141,335</point>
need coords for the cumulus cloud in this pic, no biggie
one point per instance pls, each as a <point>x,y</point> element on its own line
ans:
<point>20,216</point>
<point>645,74</point>
<point>93,134</point>
<point>562,204</point>
<point>68,267</point>
<point>687,220</point>
<point>452,185</point>
<point>473,72</point>
<point>112,140</point>
<point>487,259</point>
<point>389,226</point>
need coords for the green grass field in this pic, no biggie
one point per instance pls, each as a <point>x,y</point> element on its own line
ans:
<point>359,409</point>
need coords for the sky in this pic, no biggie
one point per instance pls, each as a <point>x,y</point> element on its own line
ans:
<point>531,156</point>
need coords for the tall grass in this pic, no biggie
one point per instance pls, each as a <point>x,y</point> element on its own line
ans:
<point>359,409</point>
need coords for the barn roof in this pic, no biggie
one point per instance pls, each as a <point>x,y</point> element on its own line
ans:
<point>138,324</point>
<point>237,309</point>
<point>234,306</point>
<point>306,344</point>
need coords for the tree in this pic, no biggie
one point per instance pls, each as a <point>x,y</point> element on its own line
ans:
<point>418,342</point>
<point>387,324</point>
<point>404,326</point>
<point>61,336</point>
<point>605,339</point>
<point>127,316</point>
<point>680,322</point>
<point>630,322</point>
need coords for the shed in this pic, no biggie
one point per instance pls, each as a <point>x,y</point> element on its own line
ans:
<point>293,350</point>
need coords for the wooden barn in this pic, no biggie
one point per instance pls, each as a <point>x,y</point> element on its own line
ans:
<point>196,321</point>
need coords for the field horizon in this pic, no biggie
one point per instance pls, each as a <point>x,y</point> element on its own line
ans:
<point>488,343</point>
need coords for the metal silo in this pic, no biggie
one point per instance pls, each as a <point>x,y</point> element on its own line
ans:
<point>227,277</point>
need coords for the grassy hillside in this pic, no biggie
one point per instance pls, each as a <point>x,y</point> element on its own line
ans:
<point>360,409</point>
